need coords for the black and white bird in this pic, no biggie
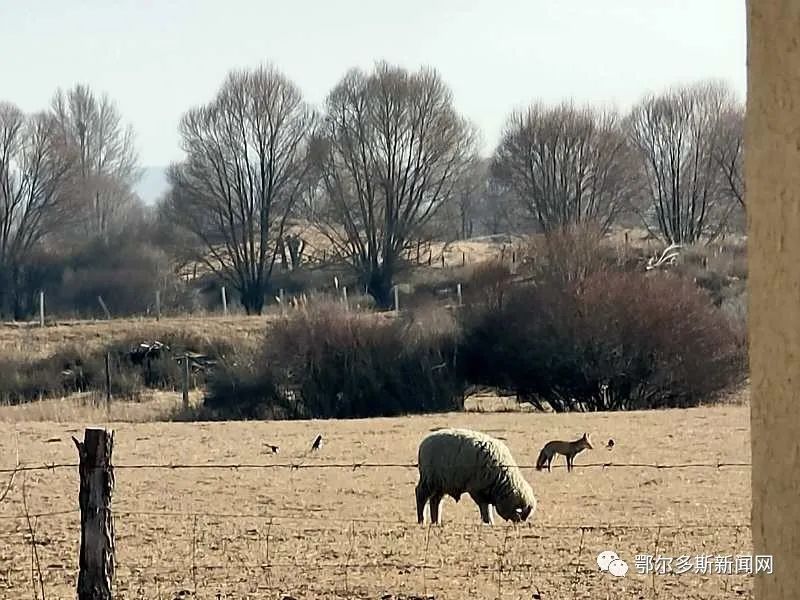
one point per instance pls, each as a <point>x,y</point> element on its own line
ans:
<point>317,443</point>
<point>274,449</point>
<point>610,444</point>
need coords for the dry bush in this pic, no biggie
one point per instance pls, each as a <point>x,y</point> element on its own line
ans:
<point>329,363</point>
<point>488,284</point>
<point>656,341</point>
<point>569,255</point>
<point>77,368</point>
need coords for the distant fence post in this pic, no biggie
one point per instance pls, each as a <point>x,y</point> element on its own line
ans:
<point>158,305</point>
<point>396,299</point>
<point>458,291</point>
<point>224,302</point>
<point>104,307</point>
<point>41,309</point>
<point>186,381</point>
<point>108,379</point>
<point>96,559</point>
<point>344,298</point>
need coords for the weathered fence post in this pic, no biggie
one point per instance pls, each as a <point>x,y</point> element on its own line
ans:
<point>344,298</point>
<point>186,381</point>
<point>396,299</point>
<point>458,291</point>
<point>96,559</point>
<point>41,309</point>
<point>224,302</point>
<point>104,307</point>
<point>158,305</point>
<point>108,380</point>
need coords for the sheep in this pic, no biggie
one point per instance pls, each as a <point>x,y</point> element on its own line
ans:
<point>454,461</point>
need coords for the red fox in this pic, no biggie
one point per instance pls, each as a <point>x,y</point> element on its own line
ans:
<point>568,449</point>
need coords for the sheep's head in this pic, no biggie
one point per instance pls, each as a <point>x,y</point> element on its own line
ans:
<point>516,509</point>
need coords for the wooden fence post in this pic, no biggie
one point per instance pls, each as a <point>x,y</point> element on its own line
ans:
<point>460,297</point>
<point>344,298</point>
<point>224,302</point>
<point>96,559</point>
<point>108,380</point>
<point>158,305</point>
<point>186,381</point>
<point>104,307</point>
<point>396,299</point>
<point>41,309</point>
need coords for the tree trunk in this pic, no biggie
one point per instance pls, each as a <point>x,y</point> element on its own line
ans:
<point>252,298</point>
<point>379,286</point>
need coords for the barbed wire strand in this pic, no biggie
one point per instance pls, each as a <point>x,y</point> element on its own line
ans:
<point>408,524</point>
<point>361,465</point>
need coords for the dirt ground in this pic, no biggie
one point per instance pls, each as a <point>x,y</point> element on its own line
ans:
<point>343,532</point>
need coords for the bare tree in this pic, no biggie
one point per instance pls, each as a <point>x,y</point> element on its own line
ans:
<point>565,165</point>
<point>679,144</point>
<point>107,160</point>
<point>458,217</point>
<point>246,166</point>
<point>35,171</point>
<point>729,152</point>
<point>470,189</point>
<point>392,153</point>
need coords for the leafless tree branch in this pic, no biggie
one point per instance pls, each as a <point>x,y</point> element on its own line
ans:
<point>390,155</point>
<point>246,169</point>
<point>566,165</point>
<point>680,144</point>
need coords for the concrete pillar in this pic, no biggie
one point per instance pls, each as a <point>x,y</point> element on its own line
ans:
<point>772,176</point>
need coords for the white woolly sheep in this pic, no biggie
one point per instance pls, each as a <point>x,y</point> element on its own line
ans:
<point>457,461</point>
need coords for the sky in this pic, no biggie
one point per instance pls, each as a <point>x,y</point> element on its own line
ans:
<point>158,58</point>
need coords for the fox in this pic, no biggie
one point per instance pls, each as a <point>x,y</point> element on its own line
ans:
<point>568,449</point>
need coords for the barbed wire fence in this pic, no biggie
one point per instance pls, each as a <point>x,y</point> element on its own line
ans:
<point>515,571</point>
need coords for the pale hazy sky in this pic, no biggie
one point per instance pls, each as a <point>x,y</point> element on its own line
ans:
<point>157,58</point>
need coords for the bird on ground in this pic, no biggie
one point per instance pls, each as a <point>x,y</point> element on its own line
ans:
<point>610,444</point>
<point>317,443</point>
<point>273,448</point>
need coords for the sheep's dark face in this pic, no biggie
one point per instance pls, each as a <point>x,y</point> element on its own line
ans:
<point>515,514</point>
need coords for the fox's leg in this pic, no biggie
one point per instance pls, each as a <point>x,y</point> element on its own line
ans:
<point>422,497</point>
<point>435,502</point>
<point>570,458</point>
<point>549,460</point>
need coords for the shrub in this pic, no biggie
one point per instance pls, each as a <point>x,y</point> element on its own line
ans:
<point>655,340</point>
<point>76,369</point>
<point>329,363</point>
<point>569,255</point>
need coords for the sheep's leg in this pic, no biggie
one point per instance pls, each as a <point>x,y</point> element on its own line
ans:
<point>486,513</point>
<point>435,502</point>
<point>422,498</point>
<point>485,508</point>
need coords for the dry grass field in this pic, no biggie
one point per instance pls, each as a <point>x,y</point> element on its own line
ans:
<point>321,532</point>
<point>32,341</point>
